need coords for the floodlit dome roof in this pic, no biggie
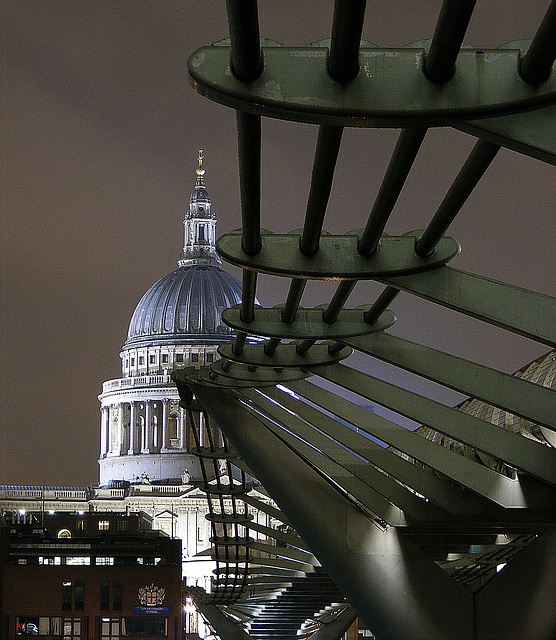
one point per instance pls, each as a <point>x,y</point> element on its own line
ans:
<point>185,306</point>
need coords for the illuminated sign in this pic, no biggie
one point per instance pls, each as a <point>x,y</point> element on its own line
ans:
<point>143,610</point>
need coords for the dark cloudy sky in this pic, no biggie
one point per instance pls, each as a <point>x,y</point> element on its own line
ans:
<point>100,133</point>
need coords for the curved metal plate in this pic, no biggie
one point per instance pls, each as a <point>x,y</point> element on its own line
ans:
<point>337,257</point>
<point>215,380</point>
<point>308,324</point>
<point>285,355</point>
<point>218,453</point>
<point>261,374</point>
<point>228,518</point>
<point>225,489</point>
<point>390,89</point>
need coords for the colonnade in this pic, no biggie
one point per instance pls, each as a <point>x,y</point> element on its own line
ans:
<point>146,427</point>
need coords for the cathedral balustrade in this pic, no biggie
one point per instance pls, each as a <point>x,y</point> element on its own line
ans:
<point>135,381</point>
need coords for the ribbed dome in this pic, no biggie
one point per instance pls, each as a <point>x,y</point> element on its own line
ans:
<point>186,305</point>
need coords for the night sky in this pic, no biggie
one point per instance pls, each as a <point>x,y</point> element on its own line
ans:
<point>99,145</point>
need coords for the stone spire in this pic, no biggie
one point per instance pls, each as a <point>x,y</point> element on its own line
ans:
<point>200,224</point>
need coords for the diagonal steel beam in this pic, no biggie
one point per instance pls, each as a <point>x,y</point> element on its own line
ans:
<point>480,479</point>
<point>524,312</point>
<point>514,449</point>
<point>524,398</point>
<point>385,485</point>
<point>392,585</point>
<point>440,491</point>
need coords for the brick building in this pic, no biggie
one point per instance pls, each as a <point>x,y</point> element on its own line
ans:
<point>95,576</point>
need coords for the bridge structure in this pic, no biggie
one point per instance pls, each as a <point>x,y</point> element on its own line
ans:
<point>425,534</point>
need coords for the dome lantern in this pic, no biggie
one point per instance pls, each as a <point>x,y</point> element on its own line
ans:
<point>185,306</point>
<point>200,225</point>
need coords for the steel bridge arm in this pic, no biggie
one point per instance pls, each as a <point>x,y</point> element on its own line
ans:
<point>388,581</point>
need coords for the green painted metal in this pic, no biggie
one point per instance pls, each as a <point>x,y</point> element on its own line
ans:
<point>215,380</point>
<point>385,577</point>
<point>525,454</point>
<point>523,398</point>
<point>360,492</point>
<point>304,456</point>
<point>290,539</point>
<point>288,553</point>
<point>405,500</point>
<point>521,311</point>
<point>532,134</point>
<point>337,257</point>
<point>483,481</point>
<point>285,356</point>
<point>285,565</point>
<point>261,374</point>
<point>439,490</point>
<point>307,325</point>
<point>295,85</point>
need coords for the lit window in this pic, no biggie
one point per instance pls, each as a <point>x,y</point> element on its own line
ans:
<point>103,525</point>
<point>104,560</point>
<point>78,560</point>
<point>132,362</point>
<point>27,626</point>
<point>122,525</point>
<point>110,629</point>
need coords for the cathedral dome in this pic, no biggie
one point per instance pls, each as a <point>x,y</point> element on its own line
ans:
<point>185,306</point>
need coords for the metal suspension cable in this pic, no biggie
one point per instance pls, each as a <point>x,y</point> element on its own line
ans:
<point>407,147</point>
<point>448,36</point>
<point>246,56</point>
<point>249,155</point>
<point>467,179</point>
<point>347,25</point>
<point>380,305</point>
<point>537,62</point>
<point>330,314</point>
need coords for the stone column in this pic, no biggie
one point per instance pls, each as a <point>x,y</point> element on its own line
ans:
<point>132,429</point>
<point>147,443</point>
<point>104,431</point>
<point>164,443</point>
<point>111,440</point>
<point>120,441</point>
<point>181,435</point>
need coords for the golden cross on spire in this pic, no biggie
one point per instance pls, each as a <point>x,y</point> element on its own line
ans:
<point>200,171</point>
